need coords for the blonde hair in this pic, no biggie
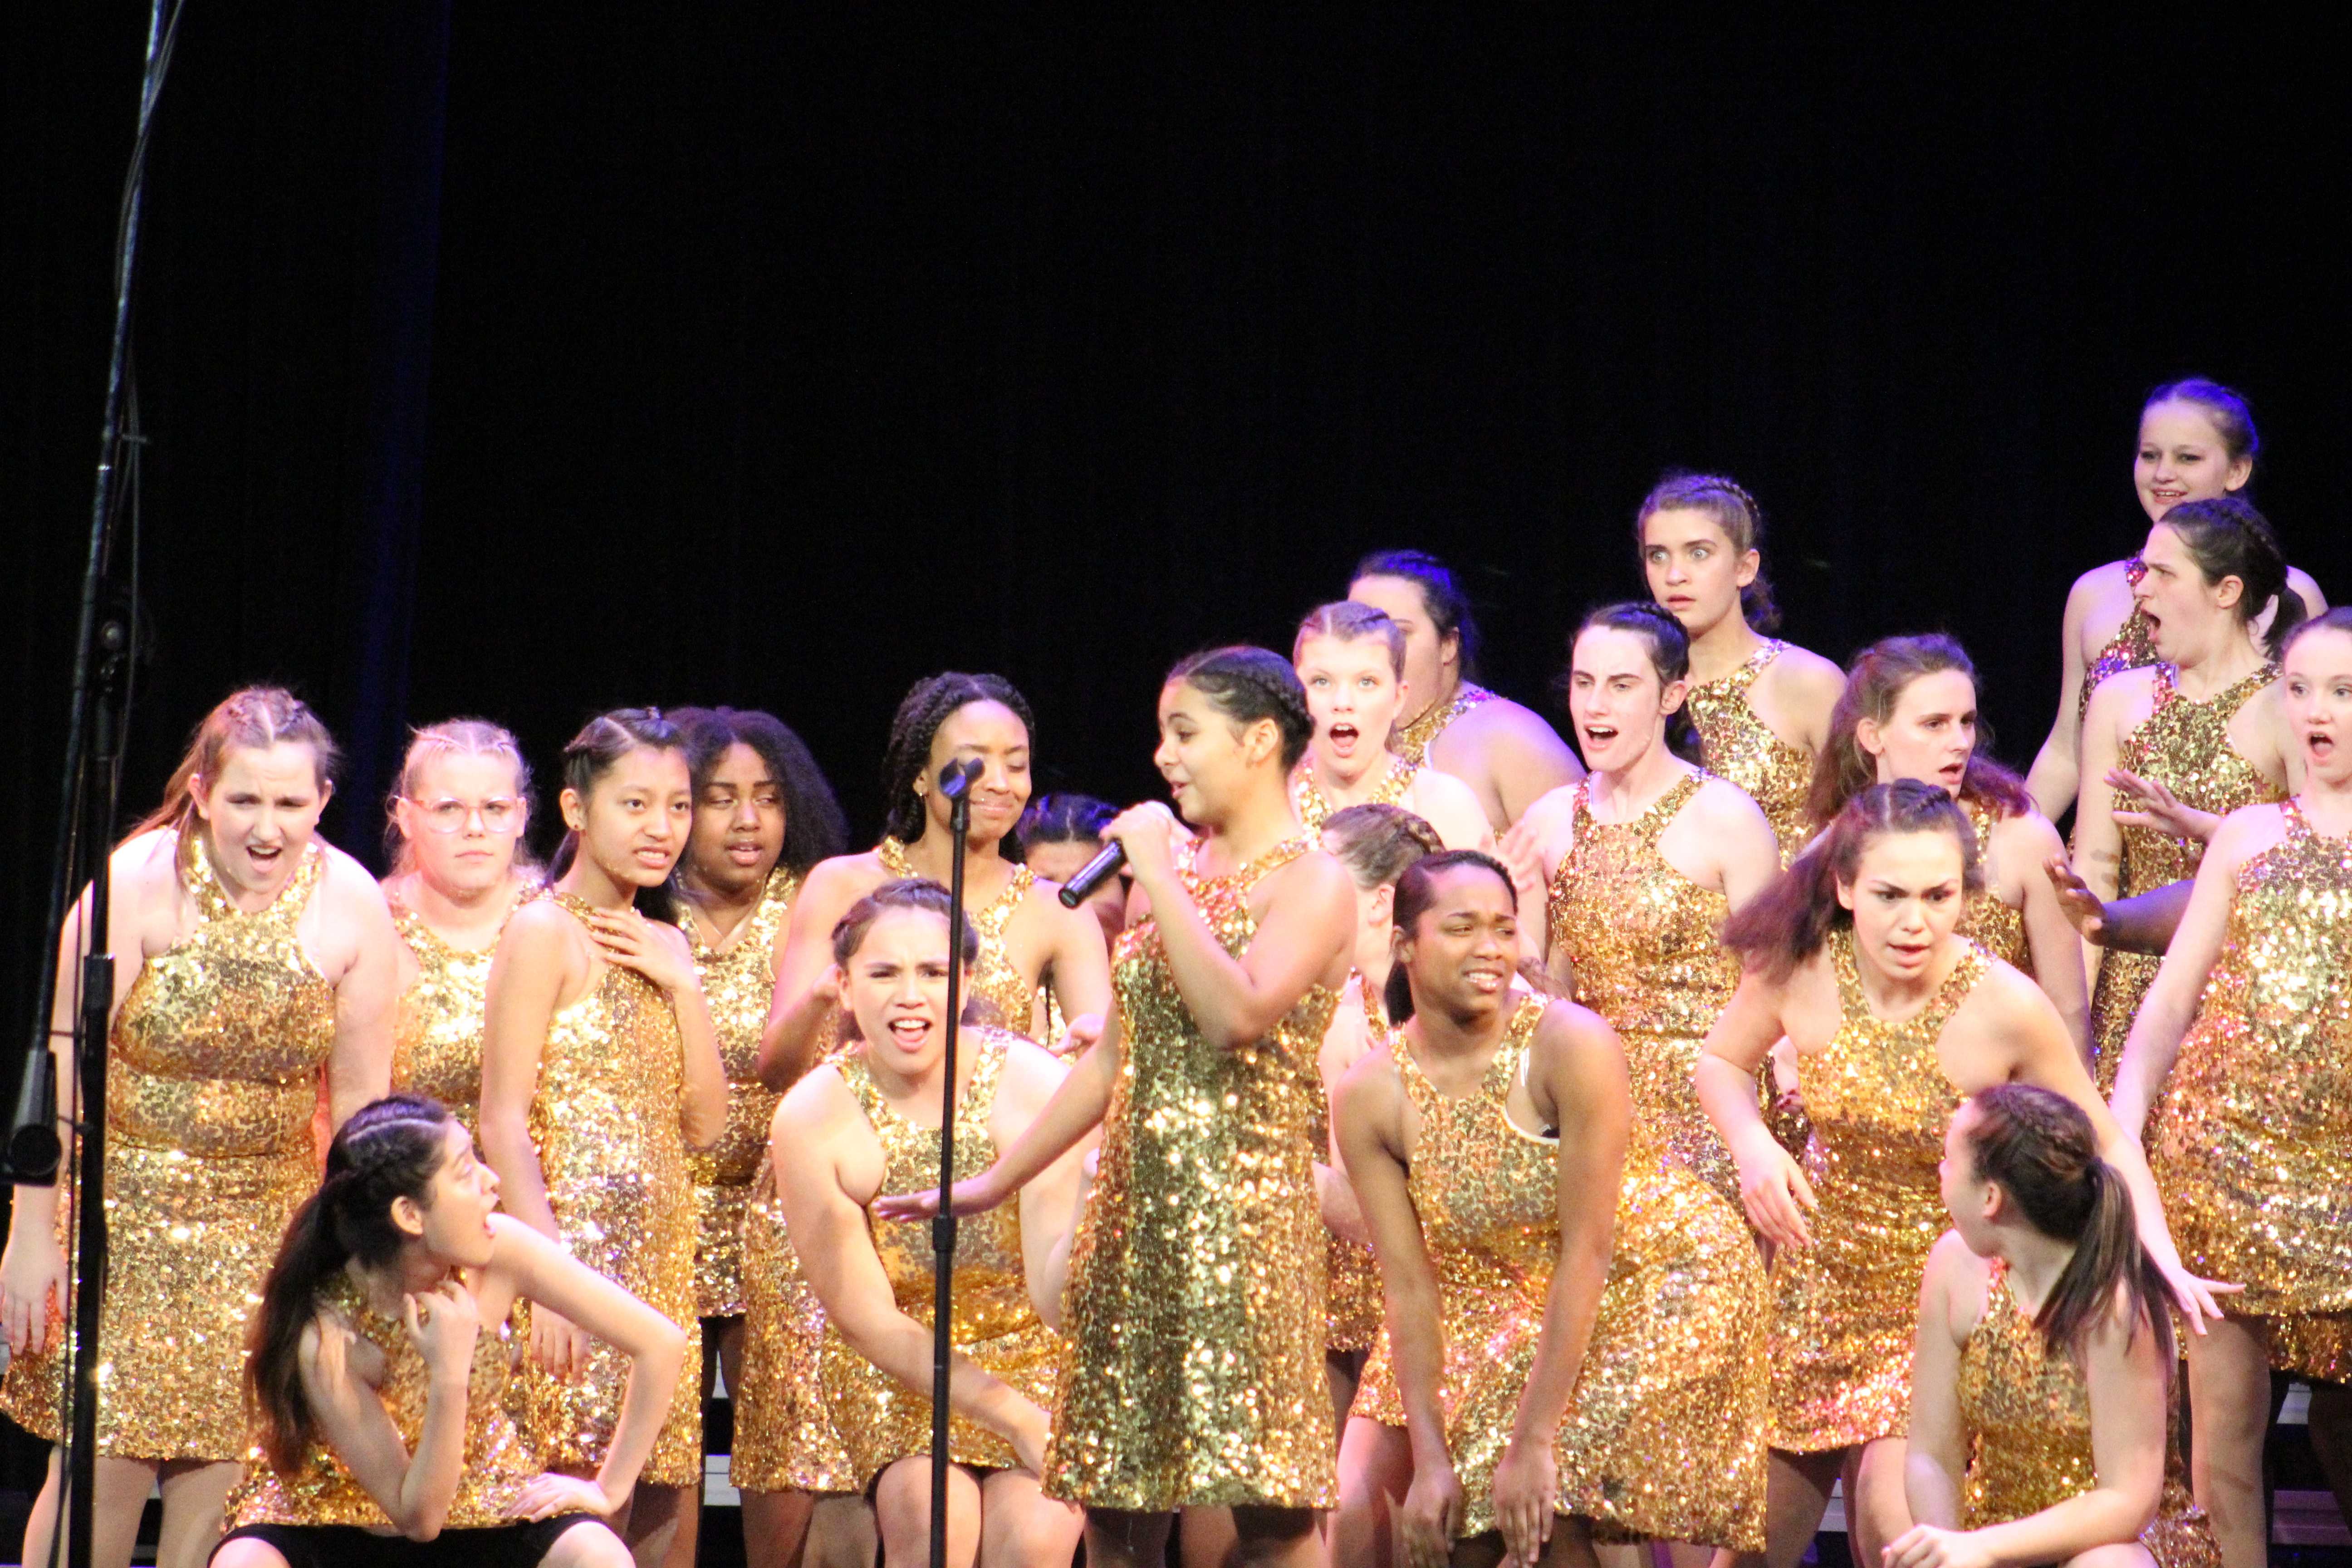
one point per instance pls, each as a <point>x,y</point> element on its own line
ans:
<point>1349,621</point>
<point>451,738</point>
<point>258,717</point>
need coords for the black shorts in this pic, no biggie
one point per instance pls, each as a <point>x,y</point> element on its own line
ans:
<point>348,1546</point>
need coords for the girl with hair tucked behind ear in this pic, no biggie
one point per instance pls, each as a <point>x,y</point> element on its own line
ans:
<point>378,1365</point>
<point>1854,956</point>
<point>2041,1385</point>
<point>250,956</point>
<point>1761,705</point>
<point>1195,1307</point>
<point>600,1069</point>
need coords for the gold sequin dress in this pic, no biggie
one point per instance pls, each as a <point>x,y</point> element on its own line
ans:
<point>1195,1310</point>
<point>2132,647</point>
<point>1314,807</point>
<point>737,985</point>
<point>1846,1310</point>
<point>1663,1438</point>
<point>212,1082</point>
<point>499,1464</point>
<point>2025,1418</point>
<point>881,1420</point>
<point>1986,922</point>
<point>1008,994</point>
<point>1644,941</point>
<point>2184,745</point>
<point>606,1121</point>
<point>2252,1143</point>
<point>1351,1290</point>
<point>1738,747</point>
<point>436,1037</point>
<point>785,1439</point>
<point>1412,741</point>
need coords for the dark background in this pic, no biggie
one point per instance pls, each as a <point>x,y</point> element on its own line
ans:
<point>522,363</point>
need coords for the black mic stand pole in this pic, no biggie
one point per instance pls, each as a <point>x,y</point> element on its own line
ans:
<point>955,782</point>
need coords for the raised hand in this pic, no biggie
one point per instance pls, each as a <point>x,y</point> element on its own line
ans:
<point>2082,906</point>
<point>443,1325</point>
<point>2159,808</point>
<point>976,1196</point>
<point>1150,833</point>
<point>629,940</point>
<point>558,1346</point>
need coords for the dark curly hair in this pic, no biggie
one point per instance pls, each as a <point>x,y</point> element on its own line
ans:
<point>814,829</point>
<point>927,705</point>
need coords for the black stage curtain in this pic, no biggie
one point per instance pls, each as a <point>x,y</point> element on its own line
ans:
<point>523,363</point>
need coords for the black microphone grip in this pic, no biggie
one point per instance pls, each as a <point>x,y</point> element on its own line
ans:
<point>1093,875</point>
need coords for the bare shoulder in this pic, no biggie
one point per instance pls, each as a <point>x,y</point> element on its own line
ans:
<point>1031,1071</point>
<point>1957,1275</point>
<point>2026,833</point>
<point>346,877</point>
<point>540,925</point>
<point>1723,806</point>
<point>1315,877</point>
<point>812,1104</point>
<point>1368,1089</point>
<point>841,881</point>
<point>2247,832</point>
<point>2314,600</point>
<point>2123,693</point>
<point>2104,587</point>
<point>147,859</point>
<point>1570,1029</point>
<point>1803,670</point>
<point>1501,721</point>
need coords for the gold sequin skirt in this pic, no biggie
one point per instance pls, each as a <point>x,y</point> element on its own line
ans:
<point>2124,980</point>
<point>189,1241</point>
<point>883,1421</point>
<point>1351,1300</point>
<point>719,1210</point>
<point>1664,1437</point>
<point>641,1237</point>
<point>1195,1321</point>
<point>784,1435</point>
<point>1845,1315</point>
<point>1666,1114</point>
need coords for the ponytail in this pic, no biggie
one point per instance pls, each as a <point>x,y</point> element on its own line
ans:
<point>599,747</point>
<point>389,1149</point>
<point>2040,1149</point>
<point>2228,538</point>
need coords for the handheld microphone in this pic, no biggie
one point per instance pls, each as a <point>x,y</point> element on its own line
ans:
<point>1093,875</point>
<point>956,779</point>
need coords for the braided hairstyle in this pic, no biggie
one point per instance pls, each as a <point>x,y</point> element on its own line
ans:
<point>1734,511</point>
<point>1416,891</point>
<point>906,893</point>
<point>390,1148</point>
<point>929,703</point>
<point>814,829</point>
<point>257,716</point>
<point>1246,684</point>
<point>1345,620</point>
<point>1442,597</point>
<point>451,738</point>
<point>1376,841</point>
<point>2233,418</point>
<point>1875,683</point>
<point>2040,1149</point>
<point>601,742</point>
<point>1669,645</point>
<point>2228,538</point>
<point>1064,817</point>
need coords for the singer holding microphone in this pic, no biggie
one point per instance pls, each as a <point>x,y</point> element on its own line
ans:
<point>1195,1304</point>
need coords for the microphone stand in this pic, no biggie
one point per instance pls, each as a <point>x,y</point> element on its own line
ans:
<point>955,783</point>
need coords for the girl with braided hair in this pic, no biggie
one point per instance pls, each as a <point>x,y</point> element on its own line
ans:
<point>253,958</point>
<point>1195,1304</point>
<point>600,1071</point>
<point>2040,1386</point>
<point>378,1361</point>
<point>1761,705</point>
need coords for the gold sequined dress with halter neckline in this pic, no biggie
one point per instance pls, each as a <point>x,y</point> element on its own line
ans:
<point>1738,746</point>
<point>2251,1143</point>
<point>1195,1310</point>
<point>1986,922</point>
<point>1644,941</point>
<point>738,984</point>
<point>2183,744</point>
<point>2025,1421</point>
<point>881,1420</point>
<point>212,1077</point>
<point>1846,1310</point>
<point>1663,1438</point>
<point>1314,807</point>
<point>2132,647</point>
<point>499,1464</point>
<point>606,1121</point>
<point>436,1037</point>
<point>1412,741</point>
<point>1007,992</point>
<point>1351,1280</point>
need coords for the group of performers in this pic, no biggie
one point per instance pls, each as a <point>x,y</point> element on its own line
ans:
<point>1435,1149</point>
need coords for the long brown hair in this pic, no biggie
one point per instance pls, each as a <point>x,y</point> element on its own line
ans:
<point>1875,683</point>
<point>258,717</point>
<point>599,747</point>
<point>1787,923</point>
<point>2040,1149</point>
<point>1735,512</point>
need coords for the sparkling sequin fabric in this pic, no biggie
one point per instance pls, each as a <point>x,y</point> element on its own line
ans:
<point>2252,1144</point>
<point>1008,992</point>
<point>499,1464</point>
<point>1738,747</point>
<point>2132,647</point>
<point>2185,745</point>
<point>1351,1290</point>
<point>1314,807</point>
<point>881,1420</point>
<point>436,1039</point>
<point>737,984</point>
<point>1986,922</point>
<point>1195,1304</point>
<point>2025,1418</point>
<point>1644,940</point>
<point>1845,1309</point>
<point>785,1437</point>
<point>1412,741</point>
<point>1665,1436</point>
<point>212,1081</point>
<point>605,1124</point>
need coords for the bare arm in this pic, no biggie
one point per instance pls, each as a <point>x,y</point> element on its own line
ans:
<point>359,1063</point>
<point>1079,970</point>
<point>1772,1186</point>
<point>1050,1200</point>
<point>2098,842</point>
<point>1935,1458</point>
<point>807,992</point>
<point>2027,843</point>
<point>33,1273</point>
<point>2052,780</point>
<point>415,1490</point>
<point>527,975</point>
<point>1525,759</point>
